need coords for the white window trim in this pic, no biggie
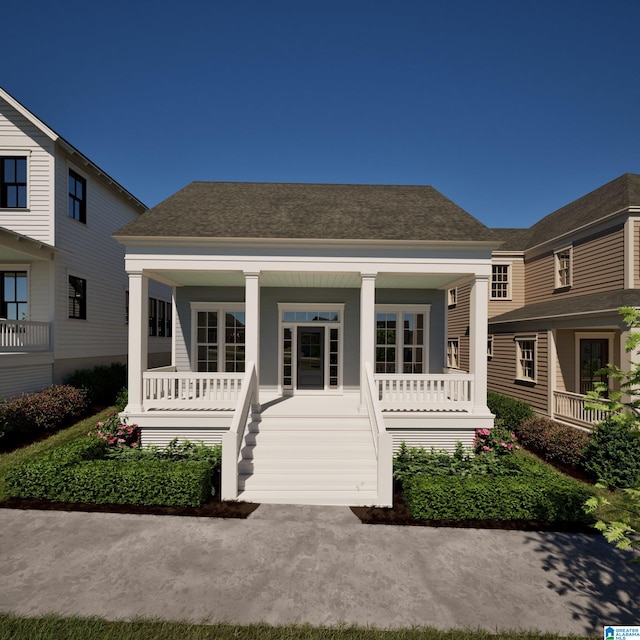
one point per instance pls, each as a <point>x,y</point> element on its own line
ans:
<point>509,266</point>
<point>309,306</point>
<point>221,308</point>
<point>19,152</point>
<point>556,267</point>
<point>399,310</point>
<point>590,335</point>
<point>531,337</point>
<point>452,297</point>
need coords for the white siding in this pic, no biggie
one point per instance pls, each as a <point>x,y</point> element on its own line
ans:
<point>17,137</point>
<point>23,379</point>
<point>437,438</point>
<point>162,437</point>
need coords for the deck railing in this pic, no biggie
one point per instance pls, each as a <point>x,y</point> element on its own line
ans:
<point>382,440</point>
<point>232,439</point>
<point>164,389</point>
<point>25,335</point>
<point>430,392</point>
<point>571,407</point>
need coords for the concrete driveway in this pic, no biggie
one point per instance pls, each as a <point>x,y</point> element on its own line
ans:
<point>317,565</point>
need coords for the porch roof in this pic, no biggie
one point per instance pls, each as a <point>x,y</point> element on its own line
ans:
<point>595,303</point>
<point>311,211</point>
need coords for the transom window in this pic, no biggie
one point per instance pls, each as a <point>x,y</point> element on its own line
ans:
<point>77,197</point>
<point>500,281</point>
<point>526,358</point>
<point>77,298</point>
<point>400,339</point>
<point>563,260</point>
<point>311,316</point>
<point>13,182</point>
<point>219,338</point>
<point>13,295</point>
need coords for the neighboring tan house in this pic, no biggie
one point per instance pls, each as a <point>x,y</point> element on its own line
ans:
<point>554,300</point>
<point>310,325</point>
<point>63,287</point>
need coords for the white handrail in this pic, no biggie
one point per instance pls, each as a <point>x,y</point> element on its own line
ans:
<point>571,407</point>
<point>232,439</point>
<point>382,440</point>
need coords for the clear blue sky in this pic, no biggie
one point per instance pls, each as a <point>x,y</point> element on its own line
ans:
<point>509,108</point>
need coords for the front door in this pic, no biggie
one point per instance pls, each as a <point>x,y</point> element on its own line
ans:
<point>310,357</point>
<point>594,354</point>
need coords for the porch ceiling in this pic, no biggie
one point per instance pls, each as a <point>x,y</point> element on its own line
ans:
<point>305,280</point>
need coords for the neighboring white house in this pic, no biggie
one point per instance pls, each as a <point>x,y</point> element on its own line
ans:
<point>63,288</point>
<point>310,332</point>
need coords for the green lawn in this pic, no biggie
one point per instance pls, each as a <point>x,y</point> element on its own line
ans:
<point>53,627</point>
<point>59,438</point>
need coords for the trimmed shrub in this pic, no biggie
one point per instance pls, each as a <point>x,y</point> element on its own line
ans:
<point>536,494</point>
<point>554,441</point>
<point>511,412</point>
<point>31,414</point>
<point>613,454</point>
<point>102,383</point>
<point>122,400</point>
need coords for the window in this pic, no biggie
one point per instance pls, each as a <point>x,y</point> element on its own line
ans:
<point>159,318</point>
<point>77,298</point>
<point>13,295</point>
<point>500,282</point>
<point>526,358</point>
<point>77,197</point>
<point>490,347</point>
<point>563,261</point>
<point>453,351</point>
<point>219,339</point>
<point>13,183</point>
<point>401,339</point>
<point>453,297</point>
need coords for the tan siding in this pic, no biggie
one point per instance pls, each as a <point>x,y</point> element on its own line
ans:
<point>502,371</point>
<point>496,307</point>
<point>566,367</point>
<point>18,135</point>
<point>458,324</point>
<point>598,266</point>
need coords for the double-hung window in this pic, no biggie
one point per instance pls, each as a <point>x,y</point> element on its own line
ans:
<point>500,281</point>
<point>453,351</point>
<point>13,182</point>
<point>13,295</point>
<point>219,337</point>
<point>563,267</point>
<point>526,358</point>
<point>77,197</point>
<point>401,339</point>
<point>77,298</point>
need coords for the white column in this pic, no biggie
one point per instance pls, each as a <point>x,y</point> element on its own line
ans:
<point>138,337</point>
<point>252,327</point>
<point>478,335</point>
<point>367,327</point>
<point>552,350</point>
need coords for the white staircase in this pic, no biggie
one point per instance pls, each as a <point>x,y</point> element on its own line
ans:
<point>303,460</point>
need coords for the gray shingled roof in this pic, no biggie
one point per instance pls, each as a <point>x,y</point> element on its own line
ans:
<point>572,305</point>
<point>315,211</point>
<point>615,195</point>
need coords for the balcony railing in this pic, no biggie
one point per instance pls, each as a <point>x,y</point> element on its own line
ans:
<point>428,392</point>
<point>571,407</point>
<point>24,335</point>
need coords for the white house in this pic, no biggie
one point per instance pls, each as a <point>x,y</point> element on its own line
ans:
<point>310,332</point>
<point>63,288</point>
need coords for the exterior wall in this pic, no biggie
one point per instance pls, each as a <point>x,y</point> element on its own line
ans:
<point>598,266</point>
<point>17,137</point>
<point>458,324</point>
<point>24,373</point>
<point>517,299</point>
<point>502,370</point>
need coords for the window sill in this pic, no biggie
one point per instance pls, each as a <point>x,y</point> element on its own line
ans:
<point>562,289</point>
<point>525,382</point>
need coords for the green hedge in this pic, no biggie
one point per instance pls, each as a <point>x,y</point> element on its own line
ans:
<point>538,494</point>
<point>510,411</point>
<point>77,472</point>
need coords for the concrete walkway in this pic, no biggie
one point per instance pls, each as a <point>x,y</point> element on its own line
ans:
<point>318,565</point>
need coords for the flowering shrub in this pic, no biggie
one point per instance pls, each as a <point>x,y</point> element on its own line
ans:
<point>498,441</point>
<point>116,432</point>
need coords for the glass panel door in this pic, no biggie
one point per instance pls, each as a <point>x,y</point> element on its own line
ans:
<point>310,357</point>
<point>594,354</point>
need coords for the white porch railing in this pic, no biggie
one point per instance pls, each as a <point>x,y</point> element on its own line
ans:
<point>24,335</point>
<point>382,440</point>
<point>571,407</point>
<point>232,439</point>
<point>164,389</point>
<point>427,392</point>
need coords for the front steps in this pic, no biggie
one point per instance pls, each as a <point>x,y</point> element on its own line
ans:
<point>293,460</point>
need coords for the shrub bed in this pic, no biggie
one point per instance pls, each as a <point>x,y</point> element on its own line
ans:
<point>31,414</point>
<point>102,384</point>
<point>80,472</point>
<point>441,486</point>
